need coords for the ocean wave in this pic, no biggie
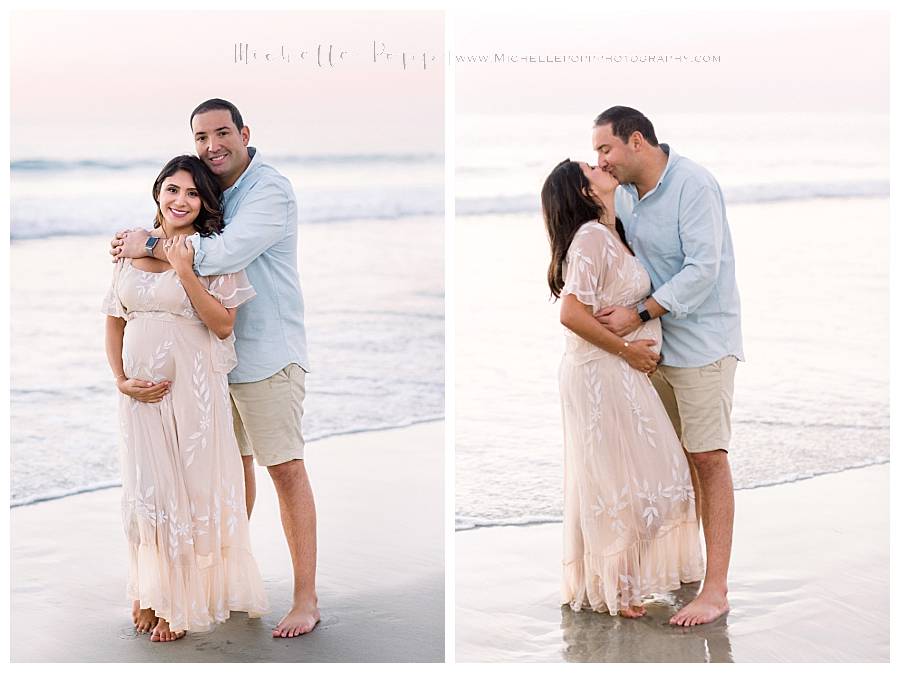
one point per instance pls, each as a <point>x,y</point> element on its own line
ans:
<point>800,424</point>
<point>62,493</point>
<point>470,523</point>
<point>734,195</point>
<point>69,219</point>
<point>100,486</point>
<point>51,165</point>
<point>40,395</point>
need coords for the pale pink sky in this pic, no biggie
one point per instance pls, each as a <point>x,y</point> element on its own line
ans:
<point>125,82</point>
<point>771,61</point>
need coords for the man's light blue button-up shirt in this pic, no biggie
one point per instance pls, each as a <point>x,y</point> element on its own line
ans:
<point>260,236</point>
<point>679,232</point>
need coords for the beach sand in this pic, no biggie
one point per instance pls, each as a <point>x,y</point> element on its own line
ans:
<point>809,582</point>
<point>379,499</point>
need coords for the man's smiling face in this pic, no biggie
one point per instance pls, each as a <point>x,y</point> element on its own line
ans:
<point>221,145</point>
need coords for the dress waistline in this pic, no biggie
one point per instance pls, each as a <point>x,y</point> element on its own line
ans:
<point>165,316</point>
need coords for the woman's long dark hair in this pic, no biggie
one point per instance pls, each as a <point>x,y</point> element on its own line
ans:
<point>209,221</point>
<point>566,202</point>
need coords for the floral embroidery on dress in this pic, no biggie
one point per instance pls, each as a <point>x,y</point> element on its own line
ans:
<point>630,527</point>
<point>644,425</point>
<point>146,286</point>
<point>200,389</point>
<point>190,561</point>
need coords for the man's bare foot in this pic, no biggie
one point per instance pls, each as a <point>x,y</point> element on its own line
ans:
<point>301,619</point>
<point>162,634</point>
<point>144,619</point>
<point>707,607</point>
<point>633,611</point>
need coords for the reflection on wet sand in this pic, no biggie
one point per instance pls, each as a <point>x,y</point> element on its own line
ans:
<point>809,582</point>
<point>595,637</point>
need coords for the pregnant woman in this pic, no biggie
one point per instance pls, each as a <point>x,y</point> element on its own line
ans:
<point>629,522</point>
<point>169,344</point>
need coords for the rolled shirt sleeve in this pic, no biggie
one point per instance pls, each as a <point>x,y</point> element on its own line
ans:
<point>701,229</point>
<point>259,223</point>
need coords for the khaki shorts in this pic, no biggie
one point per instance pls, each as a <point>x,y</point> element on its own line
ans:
<point>267,416</point>
<point>698,401</point>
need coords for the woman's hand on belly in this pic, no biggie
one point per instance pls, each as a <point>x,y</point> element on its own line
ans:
<point>652,329</point>
<point>642,355</point>
<point>144,391</point>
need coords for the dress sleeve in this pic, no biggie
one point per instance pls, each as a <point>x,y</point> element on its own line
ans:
<point>586,266</point>
<point>112,305</point>
<point>231,289</point>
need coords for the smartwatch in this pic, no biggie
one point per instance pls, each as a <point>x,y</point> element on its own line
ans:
<point>149,245</point>
<point>643,313</point>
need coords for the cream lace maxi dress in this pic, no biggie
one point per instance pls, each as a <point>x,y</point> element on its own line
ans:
<point>183,501</point>
<point>630,527</point>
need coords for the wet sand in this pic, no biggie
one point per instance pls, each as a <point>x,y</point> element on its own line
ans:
<point>809,582</point>
<point>379,499</point>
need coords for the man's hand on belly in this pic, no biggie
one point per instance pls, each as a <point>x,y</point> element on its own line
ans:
<point>619,320</point>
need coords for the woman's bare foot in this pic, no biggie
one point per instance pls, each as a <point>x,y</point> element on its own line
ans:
<point>144,619</point>
<point>162,634</point>
<point>301,619</point>
<point>633,611</point>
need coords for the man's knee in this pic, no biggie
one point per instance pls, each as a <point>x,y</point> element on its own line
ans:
<point>288,472</point>
<point>707,461</point>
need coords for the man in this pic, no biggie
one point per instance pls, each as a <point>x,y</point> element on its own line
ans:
<point>674,218</point>
<point>268,384</point>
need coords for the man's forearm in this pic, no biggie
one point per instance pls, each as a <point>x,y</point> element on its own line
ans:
<point>654,308</point>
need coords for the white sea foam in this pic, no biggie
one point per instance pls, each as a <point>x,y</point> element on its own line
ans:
<point>86,197</point>
<point>734,195</point>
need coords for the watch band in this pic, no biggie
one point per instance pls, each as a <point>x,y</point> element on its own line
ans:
<point>643,313</point>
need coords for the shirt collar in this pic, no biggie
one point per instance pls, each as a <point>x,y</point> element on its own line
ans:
<point>254,162</point>
<point>670,162</point>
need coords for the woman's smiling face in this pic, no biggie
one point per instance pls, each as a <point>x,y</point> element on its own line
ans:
<point>179,200</point>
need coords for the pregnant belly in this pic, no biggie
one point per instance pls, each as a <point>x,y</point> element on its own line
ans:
<point>579,351</point>
<point>148,350</point>
<point>652,329</point>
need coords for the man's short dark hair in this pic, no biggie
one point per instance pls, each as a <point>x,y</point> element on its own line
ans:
<point>625,121</point>
<point>218,104</point>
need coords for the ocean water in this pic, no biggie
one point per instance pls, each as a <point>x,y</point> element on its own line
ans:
<point>94,196</point>
<point>810,227</point>
<point>371,269</point>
